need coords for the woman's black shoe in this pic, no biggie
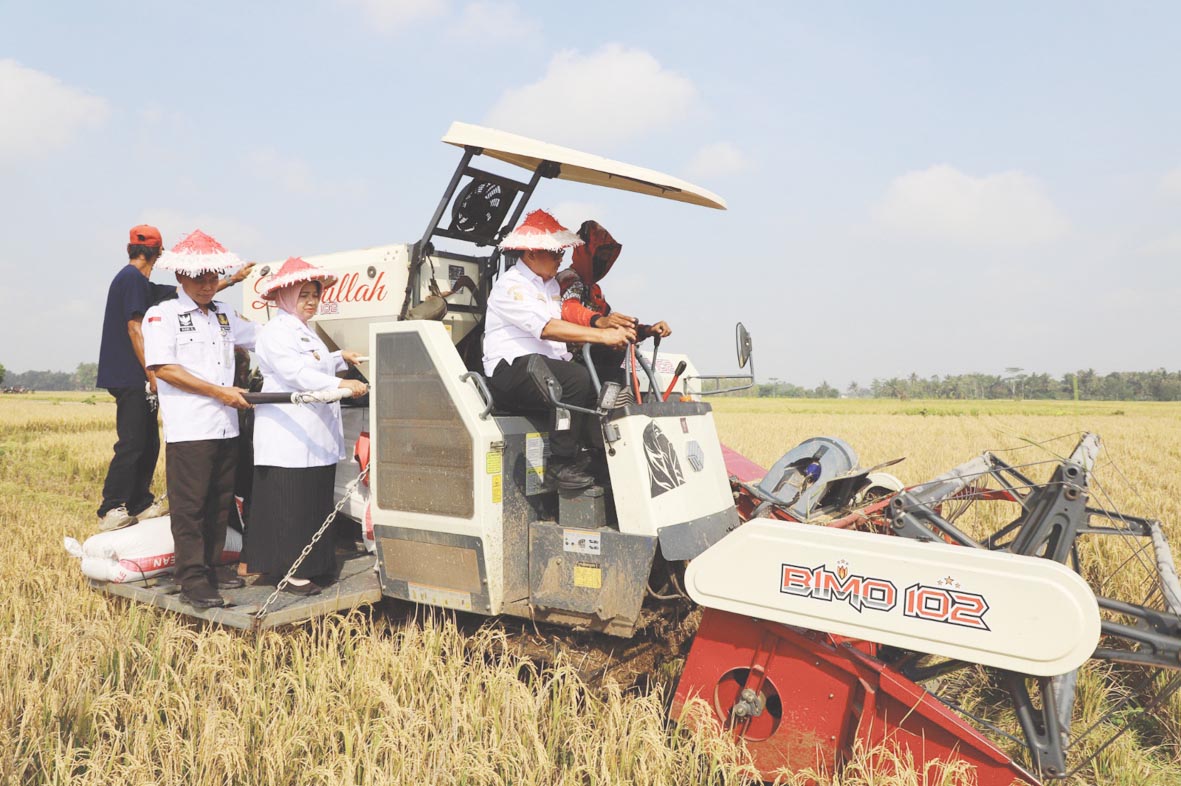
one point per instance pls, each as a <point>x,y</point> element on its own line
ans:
<point>311,588</point>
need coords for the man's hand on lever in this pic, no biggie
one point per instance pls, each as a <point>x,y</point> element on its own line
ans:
<point>232,397</point>
<point>615,319</point>
<point>617,337</point>
<point>354,386</point>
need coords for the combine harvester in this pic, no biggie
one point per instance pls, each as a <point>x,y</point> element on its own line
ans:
<point>815,641</point>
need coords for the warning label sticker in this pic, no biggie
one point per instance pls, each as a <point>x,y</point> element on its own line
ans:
<point>493,461</point>
<point>497,488</point>
<point>589,575</point>
<point>536,452</point>
<point>435,596</point>
<point>581,541</point>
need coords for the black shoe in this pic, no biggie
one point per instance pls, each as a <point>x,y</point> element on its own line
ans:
<point>311,588</point>
<point>202,596</point>
<point>224,578</point>
<point>570,476</point>
<point>597,466</point>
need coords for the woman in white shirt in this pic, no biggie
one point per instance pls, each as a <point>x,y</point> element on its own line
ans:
<point>296,447</point>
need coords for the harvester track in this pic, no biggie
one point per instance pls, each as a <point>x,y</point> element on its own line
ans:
<point>650,660</point>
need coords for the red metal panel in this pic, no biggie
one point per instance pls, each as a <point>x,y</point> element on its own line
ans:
<point>823,697</point>
<point>739,466</point>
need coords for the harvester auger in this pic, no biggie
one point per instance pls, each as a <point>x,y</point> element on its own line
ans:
<point>827,657</point>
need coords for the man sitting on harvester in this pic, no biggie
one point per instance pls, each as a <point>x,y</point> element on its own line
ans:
<point>583,302</point>
<point>525,319</point>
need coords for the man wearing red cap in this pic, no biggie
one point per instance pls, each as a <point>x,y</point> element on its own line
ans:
<point>127,495</point>
<point>524,319</point>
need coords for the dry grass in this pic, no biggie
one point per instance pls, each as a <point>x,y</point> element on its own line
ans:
<point>98,690</point>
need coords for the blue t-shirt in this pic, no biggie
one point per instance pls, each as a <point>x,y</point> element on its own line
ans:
<point>131,295</point>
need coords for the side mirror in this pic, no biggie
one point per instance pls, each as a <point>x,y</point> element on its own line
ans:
<point>745,347</point>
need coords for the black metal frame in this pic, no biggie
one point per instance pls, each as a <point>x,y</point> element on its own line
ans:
<point>424,250</point>
<point>1054,515</point>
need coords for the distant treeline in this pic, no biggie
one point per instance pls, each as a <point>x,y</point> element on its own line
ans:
<point>81,378</point>
<point>1159,385</point>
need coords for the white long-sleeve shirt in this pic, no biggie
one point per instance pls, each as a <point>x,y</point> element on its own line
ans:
<point>292,357</point>
<point>519,307</point>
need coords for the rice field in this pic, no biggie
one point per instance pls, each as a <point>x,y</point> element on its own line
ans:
<point>96,690</point>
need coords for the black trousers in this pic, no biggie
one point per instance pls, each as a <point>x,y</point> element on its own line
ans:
<point>129,477</point>
<point>200,491</point>
<point>514,391</point>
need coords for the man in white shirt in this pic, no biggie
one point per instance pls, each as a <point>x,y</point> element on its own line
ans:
<point>525,318</point>
<point>189,343</point>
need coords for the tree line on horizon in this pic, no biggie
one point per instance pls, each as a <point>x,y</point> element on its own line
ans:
<point>1086,385</point>
<point>81,378</point>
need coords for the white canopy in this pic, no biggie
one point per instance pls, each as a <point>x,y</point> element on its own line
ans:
<point>577,166</point>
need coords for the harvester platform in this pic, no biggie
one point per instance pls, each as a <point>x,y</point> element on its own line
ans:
<point>357,586</point>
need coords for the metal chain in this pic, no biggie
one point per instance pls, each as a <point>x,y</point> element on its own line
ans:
<point>348,492</point>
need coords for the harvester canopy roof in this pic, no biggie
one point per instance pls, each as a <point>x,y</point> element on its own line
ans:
<point>578,166</point>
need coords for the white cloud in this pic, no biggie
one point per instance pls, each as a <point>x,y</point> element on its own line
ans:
<point>495,20</point>
<point>942,203</point>
<point>596,100</point>
<point>295,176</point>
<point>235,235</point>
<point>40,113</point>
<point>1170,183</point>
<point>390,16</point>
<point>717,160</point>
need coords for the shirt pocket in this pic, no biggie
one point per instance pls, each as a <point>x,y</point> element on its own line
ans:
<point>190,349</point>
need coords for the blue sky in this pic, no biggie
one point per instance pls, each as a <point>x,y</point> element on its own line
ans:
<point>912,186</point>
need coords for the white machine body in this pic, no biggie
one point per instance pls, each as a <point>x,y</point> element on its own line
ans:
<point>668,476</point>
<point>1024,614</point>
<point>370,287</point>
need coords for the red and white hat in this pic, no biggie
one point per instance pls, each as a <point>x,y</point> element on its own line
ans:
<point>197,254</point>
<point>540,232</point>
<point>295,271</point>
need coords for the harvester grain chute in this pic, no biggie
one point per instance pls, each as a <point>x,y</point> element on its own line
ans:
<point>831,594</point>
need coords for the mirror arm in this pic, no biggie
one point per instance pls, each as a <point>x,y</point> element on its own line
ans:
<point>746,386</point>
<point>562,405</point>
